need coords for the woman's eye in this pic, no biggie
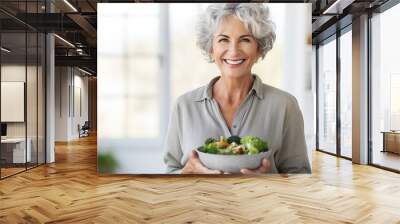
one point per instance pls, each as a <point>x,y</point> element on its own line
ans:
<point>223,40</point>
<point>246,40</point>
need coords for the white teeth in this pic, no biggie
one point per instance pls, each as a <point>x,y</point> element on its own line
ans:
<point>234,62</point>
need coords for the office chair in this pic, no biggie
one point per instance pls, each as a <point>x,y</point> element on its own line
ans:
<point>84,130</point>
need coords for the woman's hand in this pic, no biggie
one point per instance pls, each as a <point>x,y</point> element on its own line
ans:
<point>194,166</point>
<point>265,167</point>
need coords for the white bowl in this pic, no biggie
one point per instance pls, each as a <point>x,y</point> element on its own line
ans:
<point>231,163</point>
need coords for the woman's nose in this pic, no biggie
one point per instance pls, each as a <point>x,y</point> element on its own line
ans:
<point>234,49</point>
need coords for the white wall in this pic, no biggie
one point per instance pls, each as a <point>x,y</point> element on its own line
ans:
<point>61,103</point>
<point>79,117</point>
<point>297,76</point>
<point>70,83</point>
<point>12,73</point>
<point>33,126</point>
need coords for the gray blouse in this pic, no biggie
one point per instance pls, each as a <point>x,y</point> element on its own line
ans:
<point>267,112</point>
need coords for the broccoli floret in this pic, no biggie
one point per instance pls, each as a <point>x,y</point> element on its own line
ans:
<point>253,151</point>
<point>253,144</point>
<point>211,148</point>
<point>201,149</point>
<point>209,140</point>
<point>234,138</point>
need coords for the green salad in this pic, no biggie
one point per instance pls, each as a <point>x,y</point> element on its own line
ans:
<point>234,145</point>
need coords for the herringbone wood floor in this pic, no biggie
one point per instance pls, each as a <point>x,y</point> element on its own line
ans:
<point>70,191</point>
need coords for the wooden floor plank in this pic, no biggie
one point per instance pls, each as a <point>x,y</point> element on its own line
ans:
<point>70,191</point>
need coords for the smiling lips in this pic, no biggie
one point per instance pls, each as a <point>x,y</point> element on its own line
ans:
<point>234,62</point>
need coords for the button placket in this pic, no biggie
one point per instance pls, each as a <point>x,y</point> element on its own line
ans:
<point>238,120</point>
<point>220,117</point>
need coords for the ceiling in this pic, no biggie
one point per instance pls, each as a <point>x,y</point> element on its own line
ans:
<point>333,15</point>
<point>77,25</point>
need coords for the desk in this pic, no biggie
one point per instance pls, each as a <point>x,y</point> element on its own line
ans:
<point>391,141</point>
<point>16,147</point>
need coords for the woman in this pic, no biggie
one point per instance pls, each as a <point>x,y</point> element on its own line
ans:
<point>235,36</point>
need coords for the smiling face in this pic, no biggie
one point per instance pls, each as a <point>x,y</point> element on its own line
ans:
<point>234,49</point>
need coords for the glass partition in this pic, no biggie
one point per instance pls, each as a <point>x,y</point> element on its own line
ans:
<point>385,85</point>
<point>31,99</point>
<point>32,83</point>
<point>22,88</point>
<point>41,109</point>
<point>327,97</point>
<point>13,109</point>
<point>346,94</point>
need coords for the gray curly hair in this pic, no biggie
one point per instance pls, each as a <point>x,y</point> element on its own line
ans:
<point>255,16</point>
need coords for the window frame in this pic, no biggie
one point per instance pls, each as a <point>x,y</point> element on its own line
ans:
<point>381,9</point>
<point>27,29</point>
<point>163,76</point>
<point>334,37</point>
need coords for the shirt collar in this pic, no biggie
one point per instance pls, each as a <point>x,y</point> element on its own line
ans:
<point>207,92</point>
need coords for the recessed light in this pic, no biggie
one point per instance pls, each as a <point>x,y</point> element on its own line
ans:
<point>84,71</point>
<point>64,40</point>
<point>5,50</point>
<point>70,5</point>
